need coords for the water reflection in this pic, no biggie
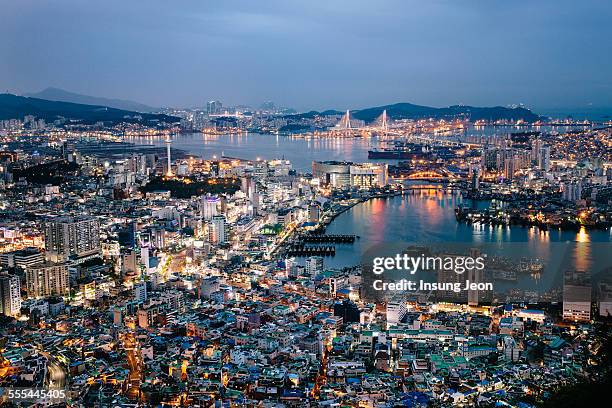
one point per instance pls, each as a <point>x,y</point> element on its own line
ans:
<point>427,216</point>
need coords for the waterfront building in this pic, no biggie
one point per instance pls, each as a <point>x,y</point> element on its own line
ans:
<point>368,175</point>
<point>332,173</point>
<point>571,191</point>
<point>577,296</point>
<point>314,265</point>
<point>474,177</point>
<point>447,279</point>
<point>314,213</point>
<point>604,297</point>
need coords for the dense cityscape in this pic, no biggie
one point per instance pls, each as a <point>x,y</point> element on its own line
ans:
<point>287,204</point>
<point>142,274</point>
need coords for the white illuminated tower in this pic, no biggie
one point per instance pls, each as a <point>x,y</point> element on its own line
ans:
<point>168,142</point>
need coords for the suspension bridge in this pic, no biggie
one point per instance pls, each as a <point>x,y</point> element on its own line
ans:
<point>350,127</point>
<point>384,126</point>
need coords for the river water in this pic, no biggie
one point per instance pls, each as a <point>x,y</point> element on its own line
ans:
<point>426,216</point>
<point>300,150</point>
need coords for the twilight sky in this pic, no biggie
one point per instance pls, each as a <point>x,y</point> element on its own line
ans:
<point>315,53</point>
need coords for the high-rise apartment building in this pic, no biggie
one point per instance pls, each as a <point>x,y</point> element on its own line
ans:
<point>73,236</point>
<point>140,292</point>
<point>544,158</point>
<point>217,232</point>
<point>208,206</point>
<point>214,107</point>
<point>47,280</point>
<point>10,295</point>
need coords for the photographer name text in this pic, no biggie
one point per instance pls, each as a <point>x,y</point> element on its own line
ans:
<point>421,285</point>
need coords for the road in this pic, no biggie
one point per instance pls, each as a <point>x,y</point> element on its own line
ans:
<point>56,373</point>
<point>135,365</point>
<point>56,376</point>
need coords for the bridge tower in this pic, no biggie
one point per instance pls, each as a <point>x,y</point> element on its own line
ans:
<point>381,123</point>
<point>384,121</point>
<point>345,123</point>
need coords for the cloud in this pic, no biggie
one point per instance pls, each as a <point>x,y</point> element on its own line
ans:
<point>312,54</point>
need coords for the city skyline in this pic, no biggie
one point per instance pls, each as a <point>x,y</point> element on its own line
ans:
<point>549,55</point>
<point>327,204</point>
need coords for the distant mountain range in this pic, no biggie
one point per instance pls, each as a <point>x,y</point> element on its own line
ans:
<point>16,107</point>
<point>13,106</point>
<point>411,111</point>
<point>56,94</point>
